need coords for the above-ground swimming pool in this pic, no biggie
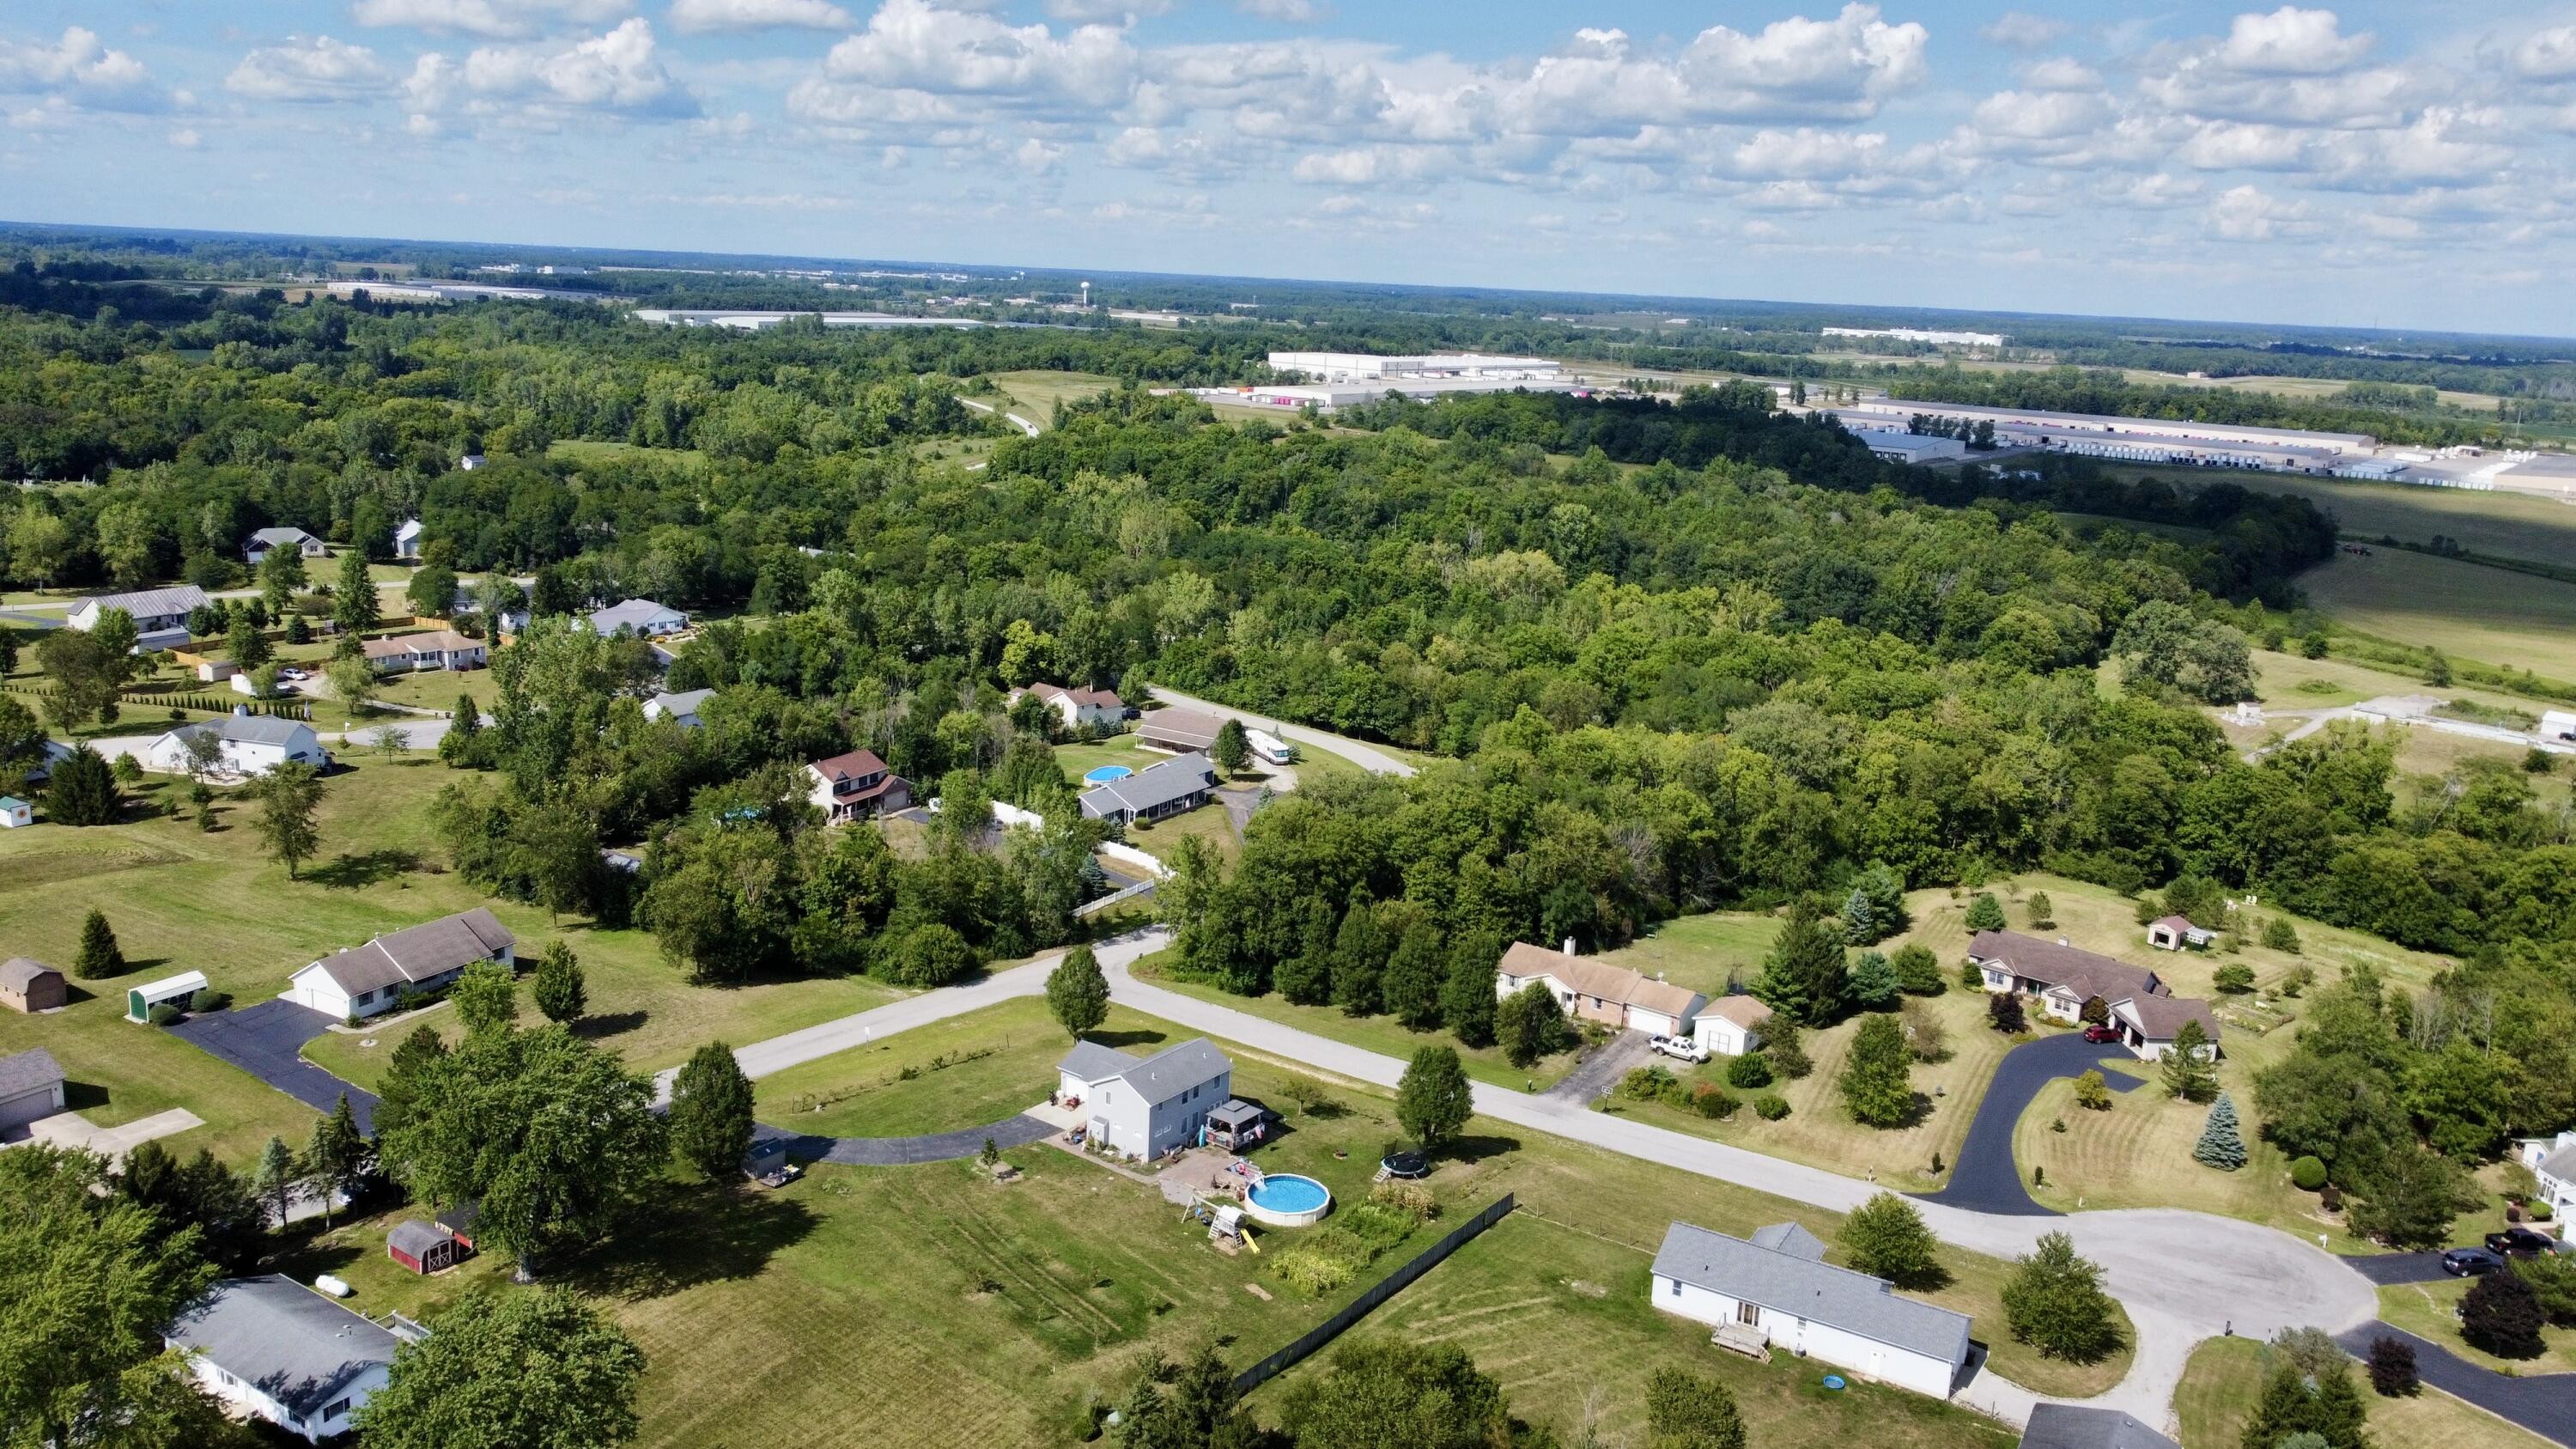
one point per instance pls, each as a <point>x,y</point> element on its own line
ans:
<point>1105,774</point>
<point>1285,1200</point>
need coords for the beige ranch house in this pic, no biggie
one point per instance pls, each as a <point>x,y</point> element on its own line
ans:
<point>1591,990</point>
<point>2060,978</point>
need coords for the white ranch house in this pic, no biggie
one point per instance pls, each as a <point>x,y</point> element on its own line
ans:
<point>368,980</point>
<point>2553,1161</point>
<point>251,745</point>
<point>1143,1107</point>
<point>1776,1289</point>
<point>680,709</point>
<point>271,1348</point>
<point>435,649</point>
<point>1591,990</point>
<point>268,540</point>
<point>160,615</point>
<point>2060,978</point>
<point>640,617</point>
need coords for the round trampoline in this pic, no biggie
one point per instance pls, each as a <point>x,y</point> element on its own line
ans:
<point>1105,774</point>
<point>1285,1200</point>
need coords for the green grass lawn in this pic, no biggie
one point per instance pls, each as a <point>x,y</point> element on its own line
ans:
<point>438,688</point>
<point>586,450</point>
<point>1033,395</point>
<point>2224,1380</point>
<point>2466,610</point>
<point>1077,757</point>
<point>1701,952</point>
<point>1210,823</point>
<point>862,1093</point>
<point>2430,1311</point>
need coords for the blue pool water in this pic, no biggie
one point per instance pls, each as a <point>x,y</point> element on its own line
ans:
<point>1289,1193</point>
<point>1106,773</point>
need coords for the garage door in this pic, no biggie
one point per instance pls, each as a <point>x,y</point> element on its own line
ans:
<point>20,1110</point>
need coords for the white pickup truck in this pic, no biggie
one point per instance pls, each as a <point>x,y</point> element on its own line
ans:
<point>1681,1047</point>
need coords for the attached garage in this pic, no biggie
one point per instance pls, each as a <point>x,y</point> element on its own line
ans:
<point>31,1088</point>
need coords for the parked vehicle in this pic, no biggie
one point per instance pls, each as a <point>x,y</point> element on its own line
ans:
<point>2098,1032</point>
<point>1679,1046</point>
<point>2521,1240</point>
<point>2470,1262</point>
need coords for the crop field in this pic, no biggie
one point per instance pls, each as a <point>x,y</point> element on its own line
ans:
<point>2224,1380</point>
<point>2466,610</point>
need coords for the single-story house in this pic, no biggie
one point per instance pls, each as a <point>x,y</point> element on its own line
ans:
<point>2071,1426</point>
<point>423,1247</point>
<point>30,985</point>
<point>2553,1161</point>
<point>680,709</point>
<point>252,745</point>
<point>469,462</point>
<point>1078,707</point>
<point>1777,1285</point>
<point>55,753</point>
<point>436,649</point>
<point>370,979</point>
<point>640,617</point>
<point>2175,933</point>
<point>1730,1026</point>
<point>274,1349</point>
<point>1143,1107</point>
<point>1165,788</point>
<point>15,812</point>
<point>31,1088</point>
<point>2062,978</point>
<point>407,539</point>
<point>266,539</point>
<point>160,615</point>
<point>1590,990</point>
<point>1180,731</point>
<point>856,786</point>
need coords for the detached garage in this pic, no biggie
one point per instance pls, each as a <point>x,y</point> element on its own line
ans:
<point>31,1088</point>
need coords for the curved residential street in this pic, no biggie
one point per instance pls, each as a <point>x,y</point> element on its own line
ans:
<point>1368,757</point>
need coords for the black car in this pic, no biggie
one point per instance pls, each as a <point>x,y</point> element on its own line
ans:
<point>2520,1240</point>
<point>2470,1262</point>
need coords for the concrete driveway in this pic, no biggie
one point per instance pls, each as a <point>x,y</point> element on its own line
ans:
<point>267,1041</point>
<point>1985,1179</point>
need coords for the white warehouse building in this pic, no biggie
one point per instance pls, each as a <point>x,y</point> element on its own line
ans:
<point>1369,367</point>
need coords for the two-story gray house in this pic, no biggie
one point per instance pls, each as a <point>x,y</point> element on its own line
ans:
<point>1143,1107</point>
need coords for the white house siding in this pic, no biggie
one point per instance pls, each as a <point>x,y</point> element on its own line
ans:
<point>1656,1022</point>
<point>1720,1036</point>
<point>1840,1347</point>
<point>26,1107</point>
<point>1122,1119</point>
<point>243,1396</point>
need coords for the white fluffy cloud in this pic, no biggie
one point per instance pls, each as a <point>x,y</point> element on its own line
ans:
<point>499,19</point>
<point>914,45</point>
<point>320,69</point>
<point>1286,12</point>
<point>2021,30</point>
<point>2291,41</point>
<point>78,67</point>
<point>619,73</point>
<point>2548,55</point>
<point>700,17</point>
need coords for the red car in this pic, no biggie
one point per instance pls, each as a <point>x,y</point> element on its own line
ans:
<point>2098,1032</point>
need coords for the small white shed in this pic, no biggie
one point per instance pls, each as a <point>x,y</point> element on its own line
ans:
<point>174,990</point>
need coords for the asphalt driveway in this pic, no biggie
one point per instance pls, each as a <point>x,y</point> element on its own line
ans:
<point>1985,1179</point>
<point>2393,1268</point>
<point>955,1146</point>
<point>2544,1403</point>
<point>267,1040</point>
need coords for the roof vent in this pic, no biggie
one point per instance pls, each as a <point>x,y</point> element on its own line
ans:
<point>2064,942</point>
<point>1569,945</point>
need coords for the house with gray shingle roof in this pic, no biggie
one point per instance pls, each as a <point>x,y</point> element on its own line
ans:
<point>274,1349</point>
<point>2071,1426</point>
<point>160,615</point>
<point>2553,1162</point>
<point>1145,1106</point>
<point>266,539</point>
<point>1172,787</point>
<point>249,744</point>
<point>2063,977</point>
<point>1777,1285</point>
<point>31,1088</point>
<point>642,618</point>
<point>366,980</point>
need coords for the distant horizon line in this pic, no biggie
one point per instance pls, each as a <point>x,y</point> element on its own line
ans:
<point>1895,312</point>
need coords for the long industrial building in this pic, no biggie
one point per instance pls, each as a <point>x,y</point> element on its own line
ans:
<point>2135,440</point>
<point>1369,367</point>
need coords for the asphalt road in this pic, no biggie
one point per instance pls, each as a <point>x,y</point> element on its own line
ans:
<point>2545,1403</point>
<point>1367,756</point>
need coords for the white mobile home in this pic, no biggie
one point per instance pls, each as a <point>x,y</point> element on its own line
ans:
<point>250,745</point>
<point>271,1348</point>
<point>1143,1107</point>
<point>1777,1287</point>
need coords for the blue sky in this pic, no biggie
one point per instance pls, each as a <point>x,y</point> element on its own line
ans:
<point>2399,166</point>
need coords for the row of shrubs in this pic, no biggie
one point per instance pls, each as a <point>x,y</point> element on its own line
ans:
<point>1329,1257</point>
<point>1708,1099</point>
<point>205,1000</point>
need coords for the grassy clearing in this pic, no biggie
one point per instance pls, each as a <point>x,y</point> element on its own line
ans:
<point>588,450</point>
<point>1210,823</point>
<point>183,899</point>
<point>1701,952</point>
<point>2463,609</point>
<point>2224,1380</point>
<point>2431,1311</point>
<point>438,688</point>
<point>2424,756</point>
<point>1033,395</point>
<point>2289,682</point>
<point>875,1101</point>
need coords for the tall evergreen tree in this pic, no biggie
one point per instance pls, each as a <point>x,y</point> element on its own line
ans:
<point>1985,913</point>
<point>1467,995</point>
<point>1803,978</point>
<point>1413,976</point>
<point>338,1156</point>
<point>1876,1084</point>
<point>99,956</point>
<point>2186,1074</point>
<point>1874,986</point>
<point>560,991</point>
<point>82,790</point>
<point>354,606</point>
<point>1433,1100</point>
<point>1306,978</point>
<point>276,1178</point>
<point>2221,1144</point>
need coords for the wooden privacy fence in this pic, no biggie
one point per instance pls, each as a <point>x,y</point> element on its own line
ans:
<point>1315,1338</point>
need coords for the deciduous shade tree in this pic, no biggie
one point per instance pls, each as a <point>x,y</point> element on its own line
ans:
<point>276,1177</point>
<point>1359,958</point>
<point>90,1282</point>
<point>87,671</point>
<point>2185,1072</point>
<point>2552,1277</point>
<point>1414,972</point>
<point>354,606</point>
<point>1685,1410</point>
<point>930,955</point>
<point>2092,1092</point>
<point>2004,1013</point>
<point>486,996</point>
<point>2392,1367</point>
<point>408,1072</point>
<point>1077,994</point>
<point>1232,751</point>
<point>1886,1237</point>
<point>561,993</point>
<point>550,1135</point>
<point>539,1370</point>
<point>1876,1083</point>
<point>2502,1316</point>
<point>1433,1100</point>
<point>338,1157</point>
<point>1387,1393</point>
<point>201,1193</point>
<point>2408,1198</point>
<point>2164,644</point>
<point>288,821</point>
<point>1803,977</point>
<point>711,1113</point>
<point>2222,1142</point>
<point>1529,1024</point>
<point>2042,911</point>
<point>82,790</point>
<point>2054,1302</point>
<point>98,956</point>
<point>2296,1403</point>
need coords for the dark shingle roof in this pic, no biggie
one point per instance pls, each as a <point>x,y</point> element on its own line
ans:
<point>1095,1063</point>
<point>416,1237</point>
<point>290,1342</point>
<point>1164,1075</point>
<point>2066,1426</point>
<point>2054,963</point>
<point>415,953</point>
<point>1152,787</point>
<point>27,1071</point>
<point>1837,1297</point>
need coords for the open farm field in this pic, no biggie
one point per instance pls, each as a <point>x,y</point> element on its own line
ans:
<point>2463,609</point>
